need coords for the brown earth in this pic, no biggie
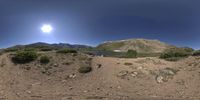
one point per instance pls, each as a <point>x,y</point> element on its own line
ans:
<point>147,78</point>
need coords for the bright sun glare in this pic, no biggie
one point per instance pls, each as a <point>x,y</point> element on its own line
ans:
<point>46,28</point>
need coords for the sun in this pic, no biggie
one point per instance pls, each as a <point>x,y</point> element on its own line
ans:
<point>46,28</point>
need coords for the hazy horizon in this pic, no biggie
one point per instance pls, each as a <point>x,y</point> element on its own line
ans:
<point>92,22</point>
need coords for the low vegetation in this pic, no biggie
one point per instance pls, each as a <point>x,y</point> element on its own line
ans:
<point>85,69</point>
<point>128,64</point>
<point>11,50</point>
<point>175,54</point>
<point>110,46</point>
<point>24,57</point>
<point>131,54</point>
<point>196,53</point>
<point>67,51</point>
<point>44,59</point>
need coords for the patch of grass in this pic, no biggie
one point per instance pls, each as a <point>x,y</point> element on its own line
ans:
<point>128,64</point>
<point>67,51</point>
<point>85,69</point>
<point>22,57</point>
<point>44,59</point>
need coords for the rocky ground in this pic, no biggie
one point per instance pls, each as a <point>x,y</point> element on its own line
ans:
<point>147,78</point>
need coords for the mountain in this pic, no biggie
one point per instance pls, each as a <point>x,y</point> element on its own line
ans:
<point>140,45</point>
<point>56,46</point>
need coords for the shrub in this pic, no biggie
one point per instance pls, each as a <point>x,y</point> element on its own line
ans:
<point>85,69</point>
<point>44,59</point>
<point>29,49</point>
<point>128,64</point>
<point>24,57</point>
<point>174,54</point>
<point>67,51</point>
<point>131,54</point>
<point>11,50</point>
<point>196,53</point>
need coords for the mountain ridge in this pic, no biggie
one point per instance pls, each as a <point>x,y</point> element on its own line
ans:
<point>140,45</point>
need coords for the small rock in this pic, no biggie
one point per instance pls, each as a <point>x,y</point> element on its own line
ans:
<point>139,68</point>
<point>55,65</point>
<point>70,88</point>
<point>29,92</point>
<point>99,65</point>
<point>160,79</point>
<point>37,83</point>
<point>122,73</point>
<point>85,91</point>
<point>119,87</point>
<point>134,74</point>
<point>72,75</point>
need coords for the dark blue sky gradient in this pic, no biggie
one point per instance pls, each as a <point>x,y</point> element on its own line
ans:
<point>91,22</point>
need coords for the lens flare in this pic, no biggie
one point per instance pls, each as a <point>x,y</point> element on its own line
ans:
<point>46,28</point>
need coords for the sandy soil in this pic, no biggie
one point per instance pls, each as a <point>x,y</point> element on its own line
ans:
<point>111,79</point>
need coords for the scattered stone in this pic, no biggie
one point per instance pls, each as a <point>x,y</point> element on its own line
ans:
<point>85,91</point>
<point>55,65</point>
<point>29,92</point>
<point>37,83</point>
<point>119,87</point>
<point>134,74</point>
<point>70,88</point>
<point>159,79</point>
<point>167,72</point>
<point>122,73</point>
<point>139,68</point>
<point>72,75</point>
<point>99,65</point>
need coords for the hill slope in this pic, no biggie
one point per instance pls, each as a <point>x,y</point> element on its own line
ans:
<point>140,45</point>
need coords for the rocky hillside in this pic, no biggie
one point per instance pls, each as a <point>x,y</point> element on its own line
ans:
<point>140,45</point>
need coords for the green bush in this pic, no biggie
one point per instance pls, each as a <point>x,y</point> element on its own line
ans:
<point>128,64</point>
<point>24,57</point>
<point>131,54</point>
<point>196,53</point>
<point>29,49</point>
<point>174,54</point>
<point>85,69</point>
<point>67,51</point>
<point>46,49</point>
<point>44,59</point>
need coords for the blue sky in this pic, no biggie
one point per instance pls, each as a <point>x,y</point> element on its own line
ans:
<point>91,22</point>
